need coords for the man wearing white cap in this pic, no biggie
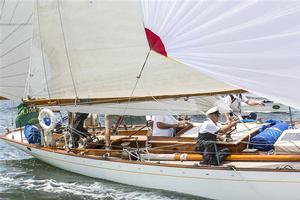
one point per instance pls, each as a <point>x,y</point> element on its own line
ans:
<point>207,137</point>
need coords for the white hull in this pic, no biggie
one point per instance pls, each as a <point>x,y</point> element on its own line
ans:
<point>210,183</point>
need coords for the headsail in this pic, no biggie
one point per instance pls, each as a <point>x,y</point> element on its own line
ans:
<point>253,45</point>
<point>15,44</point>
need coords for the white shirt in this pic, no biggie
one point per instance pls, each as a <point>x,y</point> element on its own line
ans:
<point>209,127</point>
<point>236,104</point>
<point>168,119</point>
<point>149,118</point>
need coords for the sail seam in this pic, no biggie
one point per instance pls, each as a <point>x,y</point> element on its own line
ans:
<point>19,26</point>
<point>15,24</point>
<point>66,49</point>
<point>11,86</point>
<point>16,47</point>
<point>13,63</point>
<point>42,49</point>
<point>2,9</point>
<point>14,12</point>
<point>11,76</point>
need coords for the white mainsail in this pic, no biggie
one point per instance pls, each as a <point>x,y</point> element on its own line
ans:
<point>95,49</point>
<point>15,45</point>
<point>254,45</point>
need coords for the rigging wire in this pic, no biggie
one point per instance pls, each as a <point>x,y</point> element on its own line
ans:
<point>66,50</point>
<point>42,49</point>
<point>137,81</point>
<point>14,12</point>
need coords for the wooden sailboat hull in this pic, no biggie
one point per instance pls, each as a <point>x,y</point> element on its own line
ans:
<point>215,183</point>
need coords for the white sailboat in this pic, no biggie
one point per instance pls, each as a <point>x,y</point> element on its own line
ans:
<point>94,56</point>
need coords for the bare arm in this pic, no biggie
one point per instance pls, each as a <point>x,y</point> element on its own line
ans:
<point>253,102</point>
<point>163,125</point>
<point>223,130</point>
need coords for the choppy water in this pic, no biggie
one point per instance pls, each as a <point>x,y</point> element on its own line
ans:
<point>24,177</point>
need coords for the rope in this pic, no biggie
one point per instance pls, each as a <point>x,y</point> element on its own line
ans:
<point>136,82</point>
<point>79,133</point>
<point>67,52</point>
<point>147,149</point>
<point>167,109</point>
<point>42,49</point>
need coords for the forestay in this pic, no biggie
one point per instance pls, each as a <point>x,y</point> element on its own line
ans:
<point>253,45</point>
<point>15,44</point>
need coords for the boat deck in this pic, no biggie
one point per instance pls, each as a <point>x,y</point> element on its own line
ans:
<point>290,162</point>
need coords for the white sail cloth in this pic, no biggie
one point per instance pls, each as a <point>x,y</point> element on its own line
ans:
<point>250,44</point>
<point>15,45</point>
<point>95,49</point>
<point>190,106</point>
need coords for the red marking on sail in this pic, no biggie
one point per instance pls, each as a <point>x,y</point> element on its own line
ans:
<point>155,42</point>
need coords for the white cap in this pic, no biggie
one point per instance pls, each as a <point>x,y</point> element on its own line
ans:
<point>212,110</point>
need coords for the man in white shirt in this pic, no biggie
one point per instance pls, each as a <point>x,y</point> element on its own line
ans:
<point>234,101</point>
<point>165,125</point>
<point>207,137</point>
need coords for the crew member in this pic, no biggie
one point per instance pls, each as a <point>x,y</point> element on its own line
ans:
<point>165,125</point>
<point>79,130</point>
<point>207,137</point>
<point>234,101</point>
<point>108,129</point>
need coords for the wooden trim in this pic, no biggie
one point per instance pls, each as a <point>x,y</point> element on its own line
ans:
<point>3,98</point>
<point>118,160</point>
<point>65,102</point>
